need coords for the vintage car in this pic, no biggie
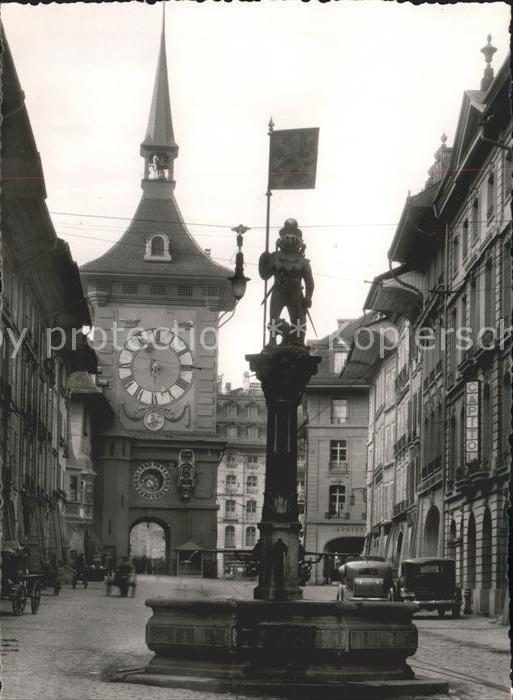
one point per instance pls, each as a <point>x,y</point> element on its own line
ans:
<point>431,584</point>
<point>366,580</point>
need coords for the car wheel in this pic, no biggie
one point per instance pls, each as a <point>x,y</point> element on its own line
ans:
<point>441,612</point>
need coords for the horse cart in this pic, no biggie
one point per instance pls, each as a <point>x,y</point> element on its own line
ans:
<point>18,585</point>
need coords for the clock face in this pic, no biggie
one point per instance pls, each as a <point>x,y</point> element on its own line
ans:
<point>155,367</point>
<point>151,480</point>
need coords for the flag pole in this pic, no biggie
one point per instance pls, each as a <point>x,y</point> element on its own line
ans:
<point>268,194</point>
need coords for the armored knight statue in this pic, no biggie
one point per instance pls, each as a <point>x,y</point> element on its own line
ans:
<point>290,269</point>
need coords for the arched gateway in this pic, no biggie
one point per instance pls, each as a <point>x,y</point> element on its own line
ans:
<point>149,544</point>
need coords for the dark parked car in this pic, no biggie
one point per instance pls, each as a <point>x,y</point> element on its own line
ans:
<point>366,579</point>
<point>431,583</point>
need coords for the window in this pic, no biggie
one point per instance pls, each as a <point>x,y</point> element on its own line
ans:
<point>339,360</point>
<point>211,291</point>
<point>338,411</point>
<point>250,536</point>
<point>231,481</point>
<point>157,246</point>
<point>229,507</point>
<point>158,289</point>
<point>184,291</point>
<point>252,411</point>
<point>232,458</point>
<point>337,500</point>
<point>253,433</point>
<point>338,454</point>
<point>475,219</point>
<point>251,507</point>
<point>489,294</point>
<point>252,459</point>
<point>490,197</point>
<point>129,288</point>
<point>455,252</point>
<point>73,489</point>
<point>232,431</point>
<point>464,239</point>
<point>103,285</point>
<point>231,410</point>
<point>229,537</point>
<point>251,481</point>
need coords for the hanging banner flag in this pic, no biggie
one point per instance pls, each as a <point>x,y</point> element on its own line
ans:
<point>293,159</point>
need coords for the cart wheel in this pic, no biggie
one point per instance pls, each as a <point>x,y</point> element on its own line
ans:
<point>35,598</point>
<point>441,612</point>
<point>19,601</point>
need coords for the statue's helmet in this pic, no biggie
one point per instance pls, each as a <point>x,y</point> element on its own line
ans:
<point>291,228</point>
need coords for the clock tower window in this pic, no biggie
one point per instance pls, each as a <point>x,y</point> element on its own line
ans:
<point>157,248</point>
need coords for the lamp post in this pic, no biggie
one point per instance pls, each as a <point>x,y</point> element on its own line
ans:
<point>238,279</point>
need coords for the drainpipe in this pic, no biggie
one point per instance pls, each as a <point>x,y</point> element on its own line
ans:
<point>444,379</point>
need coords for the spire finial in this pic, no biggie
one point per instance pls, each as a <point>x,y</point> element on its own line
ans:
<point>159,148</point>
<point>488,52</point>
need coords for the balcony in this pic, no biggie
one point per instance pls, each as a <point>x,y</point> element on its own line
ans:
<point>472,474</point>
<point>78,512</point>
<point>252,489</point>
<point>337,466</point>
<point>337,516</point>
<point>400,507</point>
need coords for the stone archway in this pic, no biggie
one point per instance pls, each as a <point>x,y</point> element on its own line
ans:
<point>149,543</point>
<point>431,532</point>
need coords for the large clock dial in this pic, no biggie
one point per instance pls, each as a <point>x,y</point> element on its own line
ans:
<point>155,367</point>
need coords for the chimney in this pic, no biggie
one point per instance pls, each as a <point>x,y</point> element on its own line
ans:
<point>228,387</point>
<point>245,382</point>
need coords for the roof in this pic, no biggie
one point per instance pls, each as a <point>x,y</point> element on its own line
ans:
<point>82,383</point>
<point>157,215</point>
<point>189,546</point>
<point>160,123</point>
<point>389,294</point>
<point>416,237</point>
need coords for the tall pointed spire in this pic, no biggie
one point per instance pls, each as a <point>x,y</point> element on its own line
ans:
<point>159,148</point>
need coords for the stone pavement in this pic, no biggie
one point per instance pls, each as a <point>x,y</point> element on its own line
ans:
<point>69,649</point>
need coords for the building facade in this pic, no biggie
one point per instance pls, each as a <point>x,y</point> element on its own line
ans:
<point>43,310</point>
<point>88,409</point>
<point>447,309</point>
<point>156,297</point>
<point>334,435</point>
<point>241,422</point>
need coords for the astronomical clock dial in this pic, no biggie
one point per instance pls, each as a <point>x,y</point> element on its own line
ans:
<point>151,480</point>
<point>155,367</point>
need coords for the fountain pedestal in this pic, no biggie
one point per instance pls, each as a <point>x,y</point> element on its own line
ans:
<point>284,372</point>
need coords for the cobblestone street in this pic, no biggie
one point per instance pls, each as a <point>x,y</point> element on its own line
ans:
<point>69,649</point>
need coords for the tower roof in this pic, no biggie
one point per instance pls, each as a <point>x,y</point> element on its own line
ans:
<point>159,132</point>
<point>158,212</point>
<point>159,215</point>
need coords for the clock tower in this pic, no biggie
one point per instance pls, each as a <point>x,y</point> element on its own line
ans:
<point>156,298</point>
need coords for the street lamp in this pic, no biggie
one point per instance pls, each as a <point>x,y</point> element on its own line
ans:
<point>238,279</point>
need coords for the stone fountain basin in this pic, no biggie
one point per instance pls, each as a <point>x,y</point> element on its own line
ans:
<point>318,641</point>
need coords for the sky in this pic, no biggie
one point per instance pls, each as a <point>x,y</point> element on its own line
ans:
<point>382,80</point>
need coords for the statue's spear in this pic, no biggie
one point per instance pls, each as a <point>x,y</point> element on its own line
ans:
<point>310,319</point>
